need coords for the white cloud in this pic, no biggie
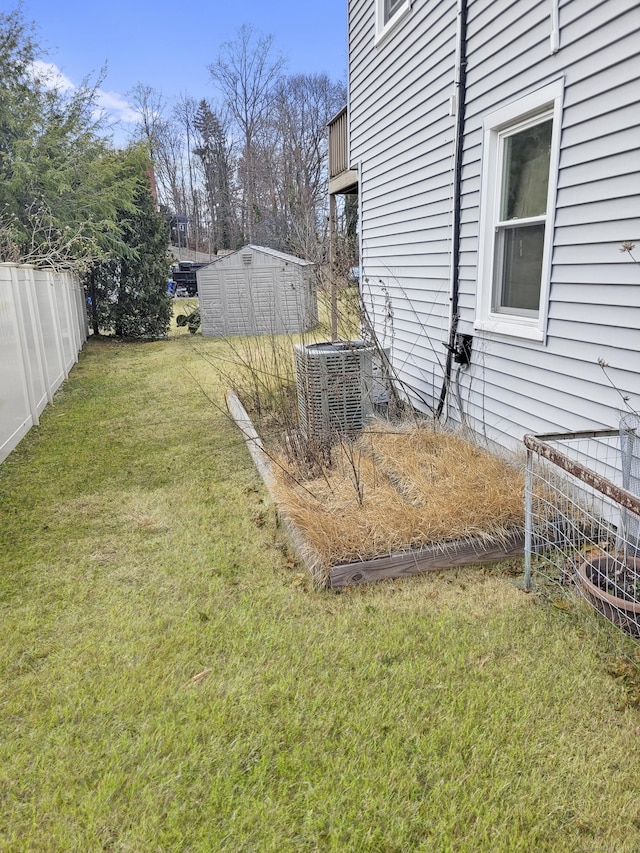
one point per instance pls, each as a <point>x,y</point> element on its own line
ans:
<point>50,76</point>
<point>116,107</point>
<point>111,106</point>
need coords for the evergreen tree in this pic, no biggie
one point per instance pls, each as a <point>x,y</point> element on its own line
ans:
<point>130,289</point>
<point>69,199</point>
<point>215,154</point>
<point>61,182</point>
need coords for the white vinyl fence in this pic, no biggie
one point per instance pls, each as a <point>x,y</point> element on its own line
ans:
<point>43,326</point>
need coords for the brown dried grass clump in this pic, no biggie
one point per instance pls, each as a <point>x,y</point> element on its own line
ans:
<point>398,488</point>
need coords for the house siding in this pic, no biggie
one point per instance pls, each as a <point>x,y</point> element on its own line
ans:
<point>402,133</point>
<point>402,136</point>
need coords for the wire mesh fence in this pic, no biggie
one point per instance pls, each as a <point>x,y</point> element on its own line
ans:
<point>582,516</point>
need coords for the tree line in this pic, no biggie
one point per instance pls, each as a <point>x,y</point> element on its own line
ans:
<point>250,166</point>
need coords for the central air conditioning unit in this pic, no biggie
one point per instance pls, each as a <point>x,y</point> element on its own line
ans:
<point>339,383</point>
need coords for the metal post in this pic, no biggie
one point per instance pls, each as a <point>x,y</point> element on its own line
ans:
<point>332,267</point>
<point>528,519</point>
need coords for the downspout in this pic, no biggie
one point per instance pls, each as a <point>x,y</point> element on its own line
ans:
<point>459,98</point>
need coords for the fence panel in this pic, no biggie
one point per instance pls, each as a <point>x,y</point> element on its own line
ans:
<point>32,346</point>
<point>582,516</point>
<point>62,286</point>
<point>15,412</point>
<point>43,326</point>
<point>50,326</point>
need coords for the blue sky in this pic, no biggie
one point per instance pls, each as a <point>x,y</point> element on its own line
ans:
<point>168,44</point>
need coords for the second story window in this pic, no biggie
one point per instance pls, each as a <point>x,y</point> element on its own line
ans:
<point>390,8</point>
<point>388,14</point>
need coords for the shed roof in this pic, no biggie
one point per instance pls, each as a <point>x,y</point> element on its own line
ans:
<point>283,256</point>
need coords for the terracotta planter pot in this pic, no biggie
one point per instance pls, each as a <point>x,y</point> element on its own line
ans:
<point>621,611</point>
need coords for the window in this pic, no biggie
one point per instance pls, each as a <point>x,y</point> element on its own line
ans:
<point>388,14</point>
<point>390,8</point>
<point>524,186</point>
<point>520,161</point>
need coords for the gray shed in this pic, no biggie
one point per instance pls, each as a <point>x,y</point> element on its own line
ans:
<point>257,291</point>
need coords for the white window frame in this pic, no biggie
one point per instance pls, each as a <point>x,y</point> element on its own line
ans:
<point>544,103</point>
<point>385,25</point>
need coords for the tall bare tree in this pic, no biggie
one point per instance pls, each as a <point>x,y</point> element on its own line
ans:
<point>149,104</point>
<point>184,113</point>
<point>163,144</point>
<point>247,73</point>
<point>303,106</point>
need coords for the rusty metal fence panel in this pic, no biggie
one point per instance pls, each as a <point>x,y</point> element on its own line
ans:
<point>582,516</point>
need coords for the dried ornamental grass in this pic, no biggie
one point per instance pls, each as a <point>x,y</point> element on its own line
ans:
<point>395,489</point>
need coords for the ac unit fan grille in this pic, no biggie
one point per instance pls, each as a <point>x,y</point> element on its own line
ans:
<point>331,382</point>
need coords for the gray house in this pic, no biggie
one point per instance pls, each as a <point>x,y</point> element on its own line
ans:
<point>495,147</point>
<point>257,291</point>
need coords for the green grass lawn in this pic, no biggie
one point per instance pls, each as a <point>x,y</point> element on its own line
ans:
<point>170,681</point>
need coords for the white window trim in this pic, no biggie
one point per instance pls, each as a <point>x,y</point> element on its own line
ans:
<point>383,29</point>
<point>549,99</point>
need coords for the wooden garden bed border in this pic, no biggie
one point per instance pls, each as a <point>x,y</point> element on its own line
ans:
<point>305,551</point>
<point>445,555</point>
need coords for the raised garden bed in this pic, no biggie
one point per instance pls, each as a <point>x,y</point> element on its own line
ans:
<point>398,501</point>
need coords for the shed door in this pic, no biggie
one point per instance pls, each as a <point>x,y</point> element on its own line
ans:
<point>263,299</point>
<point>235,303</point>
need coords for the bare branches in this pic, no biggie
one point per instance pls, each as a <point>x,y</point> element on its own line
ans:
<point>59,247</point>
<point>149,104</point>
<point>251,166</point>
<point>628,247</point>
<point>246,73</point>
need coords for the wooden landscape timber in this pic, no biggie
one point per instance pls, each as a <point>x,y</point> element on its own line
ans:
<point>444,555</point>
<point>311,559</point>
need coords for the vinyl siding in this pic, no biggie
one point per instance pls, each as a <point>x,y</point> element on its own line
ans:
<point>402,135</point>
<point>593,307</point>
